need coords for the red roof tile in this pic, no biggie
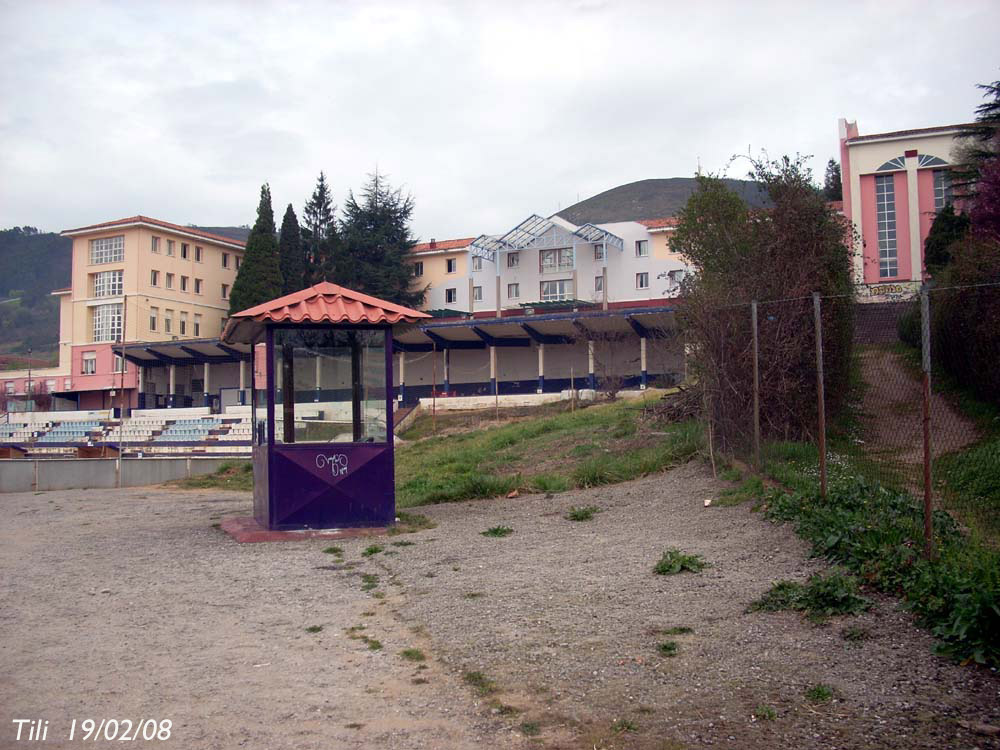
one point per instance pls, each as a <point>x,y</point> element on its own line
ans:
<point>156,223</point>
<point>659,223</point>
<point>426,247</point>
<point>320,303</point>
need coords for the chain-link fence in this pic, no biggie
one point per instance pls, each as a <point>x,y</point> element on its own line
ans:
<point>904,392</point>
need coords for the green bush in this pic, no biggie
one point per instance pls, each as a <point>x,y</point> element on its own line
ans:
<point>822,596</point>
<point>674,561</point>
<point>908,326</point>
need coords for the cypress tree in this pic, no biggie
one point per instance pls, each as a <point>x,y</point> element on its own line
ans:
<point>947,229</point>
<point>375,242</point>
<point>290,253</point>
<point>319,233</point>
<point>259,277</point>
<point>832,188</point>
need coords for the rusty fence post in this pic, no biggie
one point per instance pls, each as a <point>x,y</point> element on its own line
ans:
<point>756,387</point>
<point>925,366</point>
<point>820,396</point>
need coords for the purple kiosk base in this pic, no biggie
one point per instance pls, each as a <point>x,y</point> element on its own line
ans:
<point>323,442</point>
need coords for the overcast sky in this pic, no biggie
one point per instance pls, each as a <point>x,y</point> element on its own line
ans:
<point>485,112</point>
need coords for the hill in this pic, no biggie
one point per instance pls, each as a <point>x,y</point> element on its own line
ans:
<point>649,199</point>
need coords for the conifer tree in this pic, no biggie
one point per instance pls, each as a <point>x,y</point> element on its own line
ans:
<point>290,253</point>
<point>259,277</point>
<point>319,233</point>
<point>375,242</point>
<point>832,188</point>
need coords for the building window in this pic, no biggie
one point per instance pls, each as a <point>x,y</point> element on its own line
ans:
<point>29,386</point>
<point>418,268</point>
<point>477,263</point>
<point>197,286</point>
<point>184,283</point>
<point>513,260</point>
<point>107,250</point>
<point>117,363</point>
<point>598,252</point>
<point>170,281</point>
<point>225,291</point>
<point>642,280</point>
<point>942,190</point>
<point>108,283</point>
<point>154,244</point>
<point>477,294</point>
<point>513,291</point>
<point>225,260</point>
<point>451,265</point>
<point>197,326</point>
<point>170,247</point>
<point>599,284</point>
<point>238,259</point>
<point>183,324</point>
<point>641,248</point>
<point>197,254</point>
<point>50,385</point>
<point>168,321</point>
<point>556,260</point>
<point>9,386</point>
<point>154,278</point>
<point>67,383</point>
<point>153,314</point>
<point>555,291</point>
<point>89,365</point>
<point>450,295</point>
<point>107,322</point>
<point>885,219</point>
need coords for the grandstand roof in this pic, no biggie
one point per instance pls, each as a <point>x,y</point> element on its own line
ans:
<point>320,303</point>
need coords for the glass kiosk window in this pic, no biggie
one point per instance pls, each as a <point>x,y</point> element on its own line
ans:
<point>330,386</point>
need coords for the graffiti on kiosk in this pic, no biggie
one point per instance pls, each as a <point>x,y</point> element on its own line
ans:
<point>337,463</point>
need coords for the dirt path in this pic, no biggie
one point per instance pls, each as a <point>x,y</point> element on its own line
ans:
<point>129,603</point>
<point>892,413</point>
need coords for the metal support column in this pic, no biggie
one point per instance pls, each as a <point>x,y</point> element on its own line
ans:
<point>171,384</point>
<point>541,368</point>
<point>447,369</point>
<point>402,378</point>
<point>591,377</point>
<point>643,378</point>
<point>319,376</point>
<point>207,385</point>
<point>493,371</point>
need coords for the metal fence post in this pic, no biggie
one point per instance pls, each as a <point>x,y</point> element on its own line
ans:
<point>925,362</point>
<point>756,387</point>
<point>820,398</point>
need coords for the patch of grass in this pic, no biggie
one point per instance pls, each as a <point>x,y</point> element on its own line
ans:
<point>369,581</point>
<point>583,451</point>
<point>750,489</point>
<point>668,648</point>
<point>624,725</point>
<point>372,549</point>
<point>765,713</point>
<point>819,693</point>
<point>419,680</point>
<point>480,682</point>
<point>413,654</point>
<point>674,561</point>
<point>677,630</point>
<point>549,483</point>
<point>314,629</point>
<point>373,643</point>
<point>969,481</point>
<point>410,523</point>
<point>584,513</point>
<point>732,474</point>
<point>353,725</point>
<point>338,551</point>
<point>530,728</point>
<point>823,596</point>
<point>855,634</point>
<point>504,709</point>
<point>473,595</point>
<point>231,475</point>
<point>403,543</point>
<point>498,531</point>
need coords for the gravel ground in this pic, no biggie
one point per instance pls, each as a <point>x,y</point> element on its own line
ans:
<point>130,604</point>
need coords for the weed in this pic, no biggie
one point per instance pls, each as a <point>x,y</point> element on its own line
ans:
<point>530,728</point>
<point>368,614</point>
<point>504,709</point>
<point>731,475</point>
<point>419,680</point>
<point>667,648</point>
<point>821,597</point>
<point>373,643</point>
<point>624,725</point>
<point>674,561</point>
<point>584,513</point>
<point>498,531</point>
<point>473,595</point>
<point>403,543</point>
<point>372,549</point>
<point>549,483</point>
<point>482,684</point>
<point>353,725</point>
<point>314,629</point>
<point>369,581</point>
<point>410,523</point>
<point>413,654</point>
<point>765,713</point>
<point>819,693</point>
<point>338,551</point>
<point>855,634</point>
<point>677,630</point>
<point>751,489</point>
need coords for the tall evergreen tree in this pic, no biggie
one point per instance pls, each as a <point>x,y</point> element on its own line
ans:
<point>947,229</point>
<point>832,188</point>
<point>319,233</point>
<point>259,277</point>
<point>290,253</point>
<point>375,243</point>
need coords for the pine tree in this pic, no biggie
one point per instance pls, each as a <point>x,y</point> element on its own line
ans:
<point>375,243</point>
<point>947,229</point>
<point>290,253</point>
<point>832,188</point>
<point>319,233</point>
<point>259,277</point>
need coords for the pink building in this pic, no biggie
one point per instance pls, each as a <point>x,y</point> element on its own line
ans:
<point>894,185</point>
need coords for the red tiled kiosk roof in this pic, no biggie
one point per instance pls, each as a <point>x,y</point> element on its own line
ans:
<point>320,303</point>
